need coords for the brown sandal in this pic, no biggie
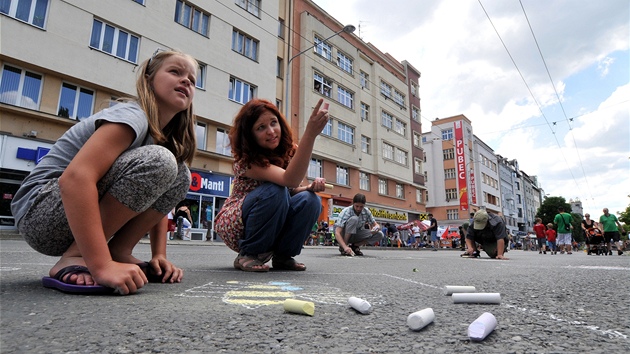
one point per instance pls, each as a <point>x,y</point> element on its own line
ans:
<point>287,264</point>
<point>250,264</point>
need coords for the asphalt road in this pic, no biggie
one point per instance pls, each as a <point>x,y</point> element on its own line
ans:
<point>549,304</point>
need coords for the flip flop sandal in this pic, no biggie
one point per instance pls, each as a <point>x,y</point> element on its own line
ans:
<point>247,264</point>
<point>57,282</point>
<point>287,264</point>
<point>356,250</point>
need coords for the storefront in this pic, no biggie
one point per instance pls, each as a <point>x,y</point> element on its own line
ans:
<point>18,157</point>
<point>206,195</point>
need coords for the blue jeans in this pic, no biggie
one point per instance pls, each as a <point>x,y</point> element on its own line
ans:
<point>277,222</point>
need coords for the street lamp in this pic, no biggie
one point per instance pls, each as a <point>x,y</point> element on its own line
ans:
<point>347,29</point>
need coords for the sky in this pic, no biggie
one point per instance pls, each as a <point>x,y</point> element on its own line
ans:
<point>557,99</point>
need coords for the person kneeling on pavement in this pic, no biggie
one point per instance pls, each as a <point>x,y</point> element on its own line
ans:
<point>356,227</point>
<point>489,231</point>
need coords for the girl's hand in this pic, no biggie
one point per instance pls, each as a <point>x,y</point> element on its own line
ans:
<point>169,272</point>
<point>318,185</point>
<point>318,119</point>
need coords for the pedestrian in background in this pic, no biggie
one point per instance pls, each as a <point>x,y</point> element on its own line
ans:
<point>562,221</point>
<point>539,229</point>
<point>269,215</point>
<point>611,227</point>
<point>551,238</point>
<point>433,229</point>
<point>356,227</point>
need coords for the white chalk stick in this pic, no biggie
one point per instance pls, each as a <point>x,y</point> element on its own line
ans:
<point>477,298</point>
<point>451,289</point>
<point>360,305</point>
<point>299,306</point>
<point>482,326</point>
<point>419,319</point>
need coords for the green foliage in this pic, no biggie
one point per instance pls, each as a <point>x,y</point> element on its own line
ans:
<point>549,208</point>
<point>624,219</point>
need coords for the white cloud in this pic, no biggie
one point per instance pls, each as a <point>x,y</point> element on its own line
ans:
<point>466,70</point>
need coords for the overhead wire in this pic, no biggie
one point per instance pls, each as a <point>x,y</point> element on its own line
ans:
<point>542,57</point>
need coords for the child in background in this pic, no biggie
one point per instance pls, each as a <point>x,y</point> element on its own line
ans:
<point>551,238</point>
<point>269,213</point>
<point>112,178</point>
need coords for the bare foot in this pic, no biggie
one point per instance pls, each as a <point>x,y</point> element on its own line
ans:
<point>78,279</point>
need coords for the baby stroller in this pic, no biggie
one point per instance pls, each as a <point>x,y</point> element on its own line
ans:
<point>595,242</point>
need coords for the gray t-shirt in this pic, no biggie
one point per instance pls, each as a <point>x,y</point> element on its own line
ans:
<point>65,149</point>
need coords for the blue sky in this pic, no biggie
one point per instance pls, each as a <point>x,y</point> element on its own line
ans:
<point>466,70</point>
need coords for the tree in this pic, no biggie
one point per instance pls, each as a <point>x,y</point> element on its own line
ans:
<point>624,219</point>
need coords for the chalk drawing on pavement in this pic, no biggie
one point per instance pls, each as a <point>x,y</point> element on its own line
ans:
<point>253,295</point>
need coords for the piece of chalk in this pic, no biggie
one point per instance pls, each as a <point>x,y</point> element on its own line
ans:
<point>325,105</point>
<point>420,319</point>
<point>360,305</point>
<point>476,298</point>
<point>482,326</point>
<point>299,306</point>
<point>451,289</point>
<point>328,185</point>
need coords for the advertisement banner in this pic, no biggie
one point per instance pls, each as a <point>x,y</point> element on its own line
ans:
<point>461,165</point>
<point>473,191</point>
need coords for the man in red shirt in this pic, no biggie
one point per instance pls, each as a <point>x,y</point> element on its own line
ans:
<point>540,229</point>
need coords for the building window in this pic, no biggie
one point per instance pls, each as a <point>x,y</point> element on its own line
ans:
<point>450,173</point>
<point>386,89</point>
<point>399,98</point>
<point>426,196</point>
<point>400,127</point>
<point>328,128</point>
<point>279,68</point>
<point>281,28</point>
<point>365,112</point>
<point>322,48</point>
<point>365,144</point>
<point>448,154</point>
<point>201,76</point>
<point>382,186</point>
<point>415,114</point>
<point>75,102</point>
<point>452,214</point>
<point>342,175</point>
<point>387,120</point>
<point>114,41</point>
<point>414,89</point>
<point>200,134</point>
<point>447,134</point>
<point>417,140</point>
<point>345,133</point>
<point>31,12</point>
<point>388,151</point>
<point>20,87</point>
<point>400,190</point>
<point>345,97</point>
<point>244,45</point>
<point>322,84</point>
<point>252,6</point>
<point>451,194</point>
<point>315,169</point>
<point>240,91</point>
<point>401,157</point>
<point>417,166</point>
<point>365,80</point>
<point>344,62</point>
<point>364,181</point>
<point>192,17</point>
<point>223,146</point>
<point>418,196</point>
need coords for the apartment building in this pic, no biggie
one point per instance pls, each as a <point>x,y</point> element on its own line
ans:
<point>367,146</point>
<point>451,170</point>
<point>508,172</point>
<point>62,61</point>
